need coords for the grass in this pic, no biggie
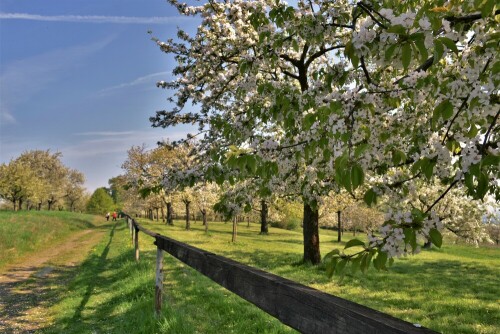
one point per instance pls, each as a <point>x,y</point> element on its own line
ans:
<point>25,232</point>
<point>111,293</point>
<point>455,289</point>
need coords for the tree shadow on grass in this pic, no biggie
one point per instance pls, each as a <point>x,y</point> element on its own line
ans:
<point>114,294</point>
<point>21,297</point>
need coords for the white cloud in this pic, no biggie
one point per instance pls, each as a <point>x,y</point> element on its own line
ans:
<point>105,133</point>
<point>6,117</point>
<point>96,18</point>
<point>147,79</point>
<point>105,143</point>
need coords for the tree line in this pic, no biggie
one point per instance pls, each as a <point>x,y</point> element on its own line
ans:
<point>38,179</point>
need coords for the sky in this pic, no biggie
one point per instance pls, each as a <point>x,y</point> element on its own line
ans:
<point>79,77</point>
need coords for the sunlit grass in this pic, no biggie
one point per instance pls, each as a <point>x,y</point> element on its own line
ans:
<point>455,289</point>
<point>451,290</point>
<point>111,293</point>
<point>24,232</point>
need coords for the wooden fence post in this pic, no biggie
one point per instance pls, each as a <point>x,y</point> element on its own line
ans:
<point>130,226</point>
<point>159,280</point>
<point>132,236</point>
<point>136,243</point>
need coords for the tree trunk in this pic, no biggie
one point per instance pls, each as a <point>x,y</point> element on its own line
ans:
<point>204,218</point>
<point>188,222</point>
<point>39,206</point>
<point>311,235</point>
<point>49,205</point>
<point>248,221</point>
<point>20,204</point>
<point>339,227</point>
<point>157,214</point>
<point>234,230</point>
<point>263,217</point>
<point>14,203</point>
<point>169,214</point>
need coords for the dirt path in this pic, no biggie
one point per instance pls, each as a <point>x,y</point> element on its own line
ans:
<point>26,288</point>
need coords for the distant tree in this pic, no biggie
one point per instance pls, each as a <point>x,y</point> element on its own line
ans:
<point>205,195</point>
<point>49,169</point>
<point>337,203</point>
<point>74,190</point>
<point>16,183</point>
<point>100,202</point>
<point>118,190</point>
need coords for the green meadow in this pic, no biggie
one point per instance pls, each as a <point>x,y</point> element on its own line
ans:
<point>451,290</point>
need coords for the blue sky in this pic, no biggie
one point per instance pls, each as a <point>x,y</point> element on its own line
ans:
<point>78,77</point>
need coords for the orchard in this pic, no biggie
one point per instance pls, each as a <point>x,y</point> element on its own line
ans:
<point>382,100</point>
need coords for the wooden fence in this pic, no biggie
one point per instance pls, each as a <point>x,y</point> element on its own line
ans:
<point>303,308</point>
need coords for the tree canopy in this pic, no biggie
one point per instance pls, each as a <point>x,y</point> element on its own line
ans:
<point>378,98</point>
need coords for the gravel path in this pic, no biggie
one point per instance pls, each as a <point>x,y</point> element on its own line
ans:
<point>28,287</point>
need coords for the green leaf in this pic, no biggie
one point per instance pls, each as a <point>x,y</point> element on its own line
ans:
<point>398,157</point>
<point>449,44</point>
<point>438,50</point>
<point>340,266</point>
<point>420,44</point>
<point>357,176</point>
<point>397,29</point>
<point>252,164</point>
<point>355,264</point>
<point>360,149</point>
<point>495,69</point>
<point>380,260</point>
<point>488,8</point>
<point>406,55</point>
<point>428,168</point>
<point>490,160</point>
<point>482,185</point>
<point>417,215</point>
<point>390,51</point>
<point>330,267</point>
<point>410,237</point>
<point>354,243</point>
<point>444,110</point>
<point>364,262</point>
<point>415,168</point>
<point>436,237</point>
<point>370,197</point>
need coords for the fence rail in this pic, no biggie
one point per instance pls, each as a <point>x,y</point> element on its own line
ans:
<point>303,308</point>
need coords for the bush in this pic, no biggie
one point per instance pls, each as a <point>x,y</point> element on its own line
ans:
<point>100,202</point>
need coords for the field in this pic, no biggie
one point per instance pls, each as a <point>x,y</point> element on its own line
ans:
<point>455,289</point>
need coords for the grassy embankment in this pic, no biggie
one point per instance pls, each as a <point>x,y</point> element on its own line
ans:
<point>452,290</point>
<point>24,233</point>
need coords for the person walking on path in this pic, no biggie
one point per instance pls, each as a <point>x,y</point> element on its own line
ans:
<point>107,216</point>
<point>114,215</point>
